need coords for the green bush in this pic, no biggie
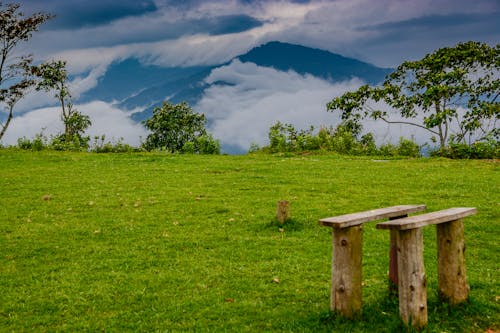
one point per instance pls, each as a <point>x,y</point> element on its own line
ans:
<point>74,142</point>
<point>485,149</point>
<point>37,144</point>
<point>408,148</point>
<point>101,146</point>
<point>206,144</point>
<point>284,138</point>
<point>24,143</point>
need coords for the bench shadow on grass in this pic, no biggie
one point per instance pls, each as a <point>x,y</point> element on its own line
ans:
<point>379,316</point>
<point>382,315</point>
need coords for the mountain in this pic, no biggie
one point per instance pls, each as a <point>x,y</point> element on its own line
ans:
<point>129,84</point>
<point>319,63</point>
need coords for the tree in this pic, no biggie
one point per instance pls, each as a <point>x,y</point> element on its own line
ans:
<point>455,89</point>
<point>16,76</point>
<point>53,76</point>
<point>177,128</point>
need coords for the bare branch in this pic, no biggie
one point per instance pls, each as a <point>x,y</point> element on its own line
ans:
<point>408,123</point>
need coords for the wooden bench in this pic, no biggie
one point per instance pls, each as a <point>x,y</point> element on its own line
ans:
<point>452,280</point>
<point>346,258</point>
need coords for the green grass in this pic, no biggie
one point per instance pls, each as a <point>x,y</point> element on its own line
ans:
<point>152,242</point>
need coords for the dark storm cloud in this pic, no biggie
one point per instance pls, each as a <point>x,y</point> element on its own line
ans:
<point>438,22</point>
<point>81,13</point>
<point>412,39</point>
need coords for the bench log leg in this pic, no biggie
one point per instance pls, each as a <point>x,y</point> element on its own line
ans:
<point>393,260</point>
<point>393,264</point>
<point>452,280</point>
<point>346,271</point>
<point>411,275</point>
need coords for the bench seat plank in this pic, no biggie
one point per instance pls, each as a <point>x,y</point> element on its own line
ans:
<point>422,220</point>
<point>350,220</point>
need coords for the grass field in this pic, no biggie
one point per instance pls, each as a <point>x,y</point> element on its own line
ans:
<point>153,242</point>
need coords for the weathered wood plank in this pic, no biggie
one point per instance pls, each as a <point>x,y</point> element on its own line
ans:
<point>422,220</point>
<point>346,271</point>
<point>452,280</point>
<point>411,275</point>
<point>349,220</point>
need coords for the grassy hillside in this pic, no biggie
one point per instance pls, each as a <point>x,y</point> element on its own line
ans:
<point>152,242</point>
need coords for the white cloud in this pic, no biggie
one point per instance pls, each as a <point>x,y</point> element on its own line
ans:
<point>106,119</point>
<point>114,123</point>
<point>79,85</point>
<point>257,97</point>
<point>349,27</point>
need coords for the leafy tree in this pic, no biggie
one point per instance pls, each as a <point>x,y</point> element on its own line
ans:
<point>455,90</point>
<point>177,128</point>
<point>53,76</point>
<point>15,70</point>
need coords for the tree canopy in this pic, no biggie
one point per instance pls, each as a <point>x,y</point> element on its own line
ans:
<point>177,128</point>
<point>454,90</point>
<point>53,76</point>
<point>16,71</point>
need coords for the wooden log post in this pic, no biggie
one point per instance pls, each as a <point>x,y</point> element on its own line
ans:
<point>283,211</point>
<point>346,260</point>
<point>451,263</point>
<point>393,259</point>
<point>411,275</point>
<point>393,264</point>
<point>452,280</point>
<point>346,271</point>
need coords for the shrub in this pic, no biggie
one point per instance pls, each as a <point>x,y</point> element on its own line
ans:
<point>206,144</point>
<point>74,142</point>
<point>489,148</point>
<point>408,148</point>
<point>37,144</point>
<point>101,146</point>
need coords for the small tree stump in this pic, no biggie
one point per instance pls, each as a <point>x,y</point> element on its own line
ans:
<point>346,271</point>
<point>452,280</point>
<point>283,211</point>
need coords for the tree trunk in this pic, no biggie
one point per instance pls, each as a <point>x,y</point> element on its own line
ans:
<point>442,136</point>
<point>9,118</point>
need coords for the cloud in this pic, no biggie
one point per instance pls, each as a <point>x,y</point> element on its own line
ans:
<point>79,85</point>
<point>384,32</point>
<point>173,33</point>
<point>80,13</point>
<point>106,119</point>
<point>242,111</point>
<point>253,98</point>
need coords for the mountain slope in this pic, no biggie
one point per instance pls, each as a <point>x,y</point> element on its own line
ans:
<point>319,63</point>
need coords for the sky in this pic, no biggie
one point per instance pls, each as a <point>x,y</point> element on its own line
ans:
<point>92,34</point>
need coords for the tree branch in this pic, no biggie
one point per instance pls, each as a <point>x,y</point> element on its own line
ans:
<point>408,123</point>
